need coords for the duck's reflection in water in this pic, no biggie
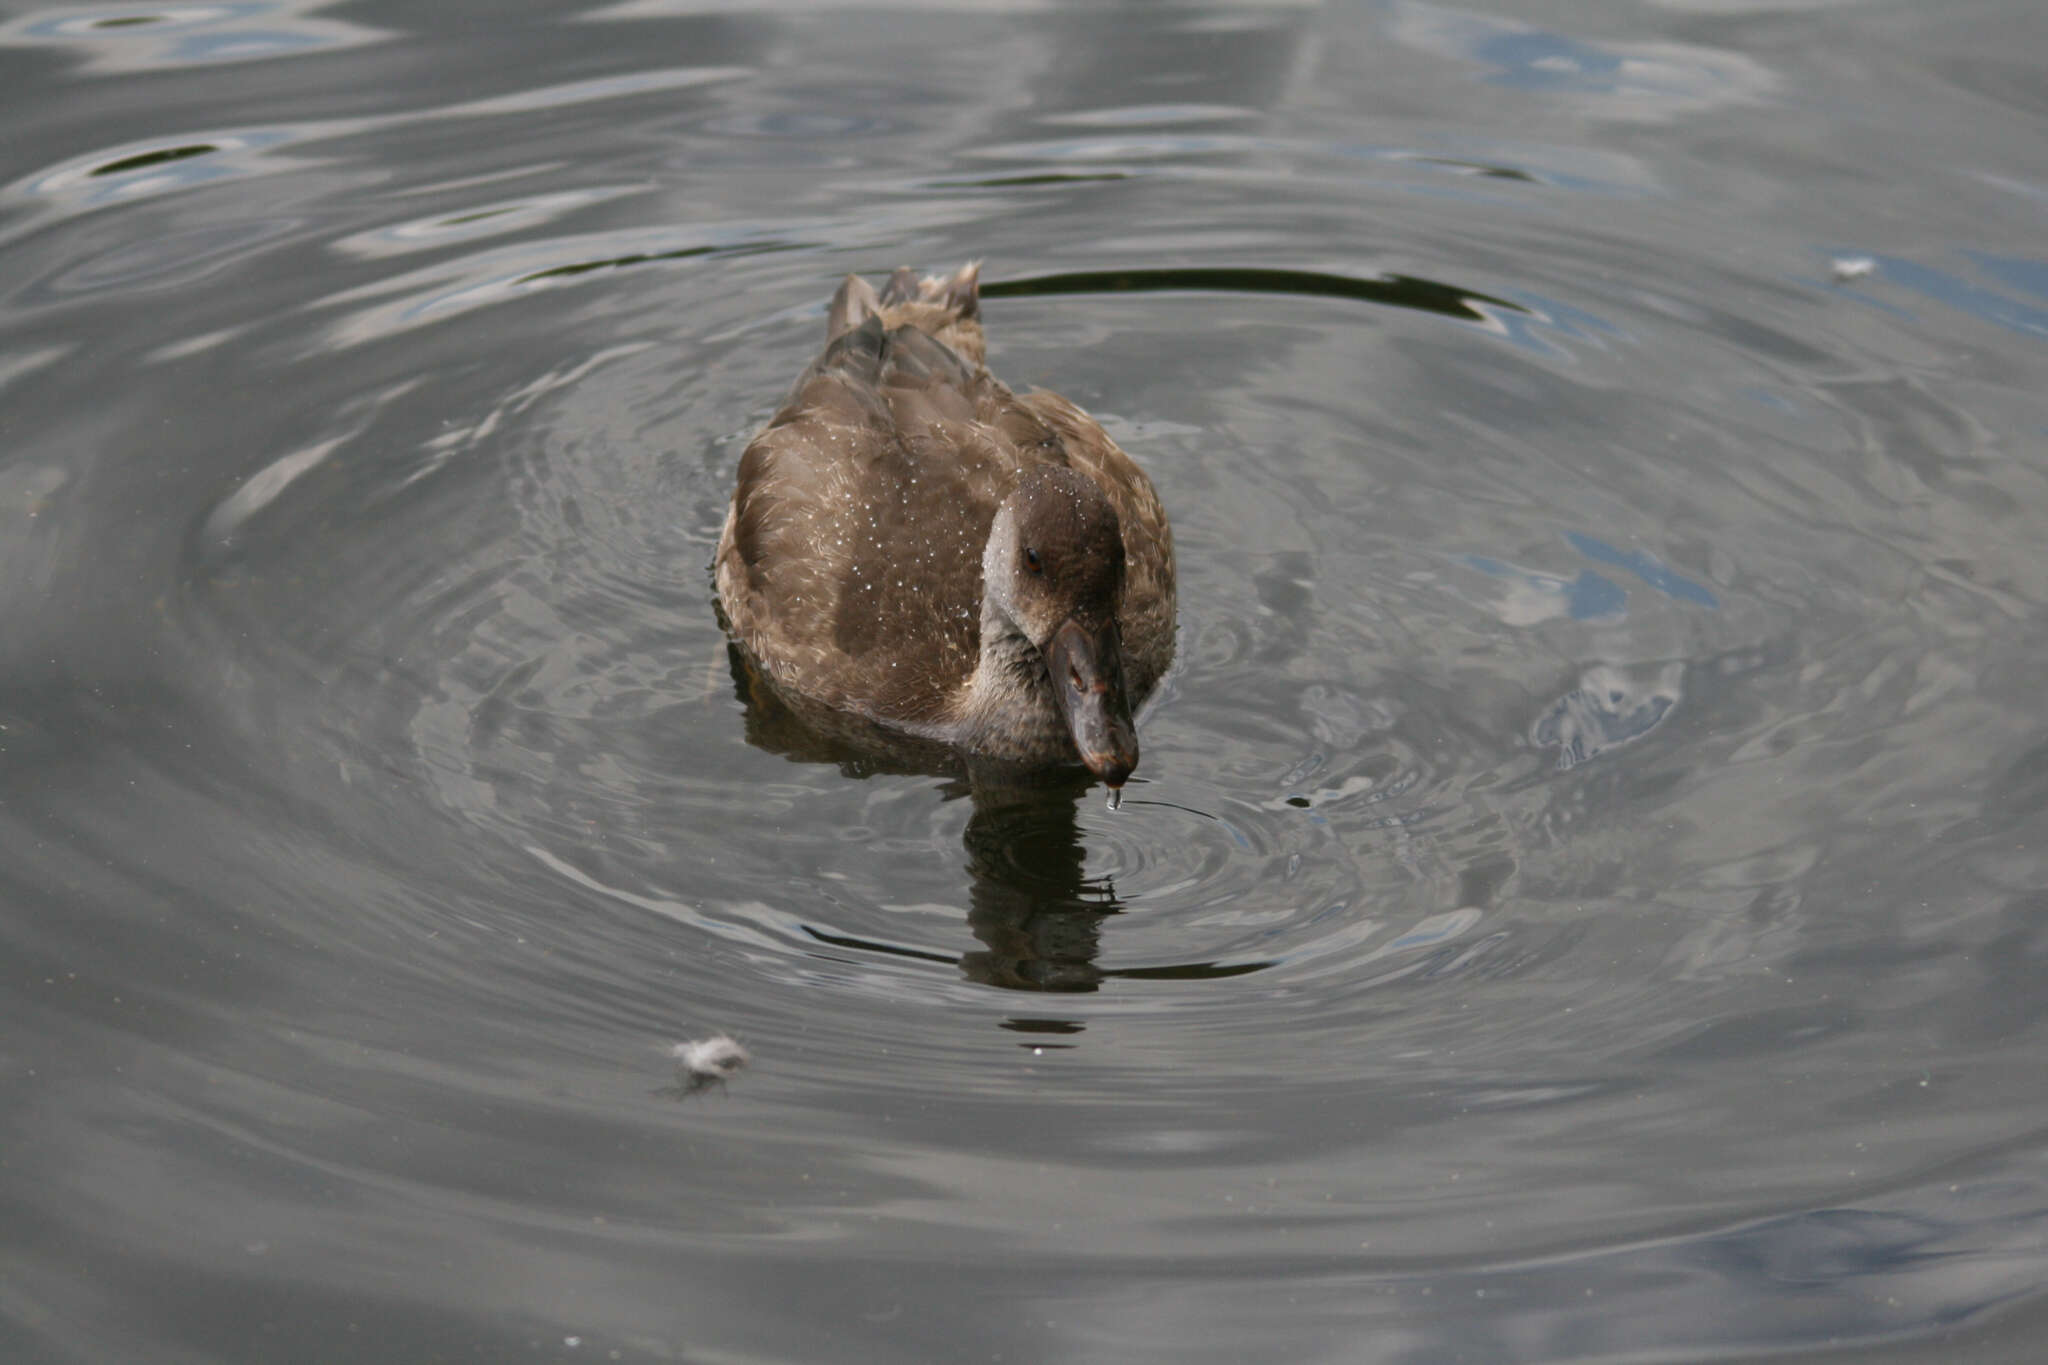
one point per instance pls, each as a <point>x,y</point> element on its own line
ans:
<point>1030,900</point>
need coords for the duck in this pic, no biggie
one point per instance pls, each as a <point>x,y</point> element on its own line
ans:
<point>914,546</point>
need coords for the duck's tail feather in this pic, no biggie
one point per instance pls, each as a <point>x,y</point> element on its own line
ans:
<point>958,293</point>
<point>946,307</point>
<point>854,304</point>
<point>901,288</point>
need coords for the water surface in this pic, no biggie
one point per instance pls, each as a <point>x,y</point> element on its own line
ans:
<point>1586,894</point>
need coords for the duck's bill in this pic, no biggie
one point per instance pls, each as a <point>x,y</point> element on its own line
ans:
<point>1088,681</point>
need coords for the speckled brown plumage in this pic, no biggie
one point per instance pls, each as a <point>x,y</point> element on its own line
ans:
<point>851,567</point>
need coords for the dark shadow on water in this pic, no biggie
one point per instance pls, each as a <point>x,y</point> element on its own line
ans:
<point>1397,291</point>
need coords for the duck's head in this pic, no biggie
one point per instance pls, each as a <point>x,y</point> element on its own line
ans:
<point>1054,572</point>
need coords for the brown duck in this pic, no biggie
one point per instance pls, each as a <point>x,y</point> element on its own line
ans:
<point>912,544</point>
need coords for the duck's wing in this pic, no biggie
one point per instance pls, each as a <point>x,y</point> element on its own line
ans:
<point>850,564</point>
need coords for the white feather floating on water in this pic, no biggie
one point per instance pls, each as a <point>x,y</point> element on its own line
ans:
<point>710,1061</point>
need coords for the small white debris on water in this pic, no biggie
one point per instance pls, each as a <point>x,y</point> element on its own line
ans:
<point>1847,268</point>
<point>708,1061</point>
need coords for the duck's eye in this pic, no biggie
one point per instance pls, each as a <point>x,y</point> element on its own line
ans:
<point>1032,563</point>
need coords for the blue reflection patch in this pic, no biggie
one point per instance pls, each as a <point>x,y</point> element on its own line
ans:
<point>1972,299</point>
<point>1592,596</point>
<point>1645,567</point>
<point>1589,597</point>
<point>2017,271</point>
<point>1547,61</point>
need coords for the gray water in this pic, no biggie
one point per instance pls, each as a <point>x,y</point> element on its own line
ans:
<point>1586,897</point>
